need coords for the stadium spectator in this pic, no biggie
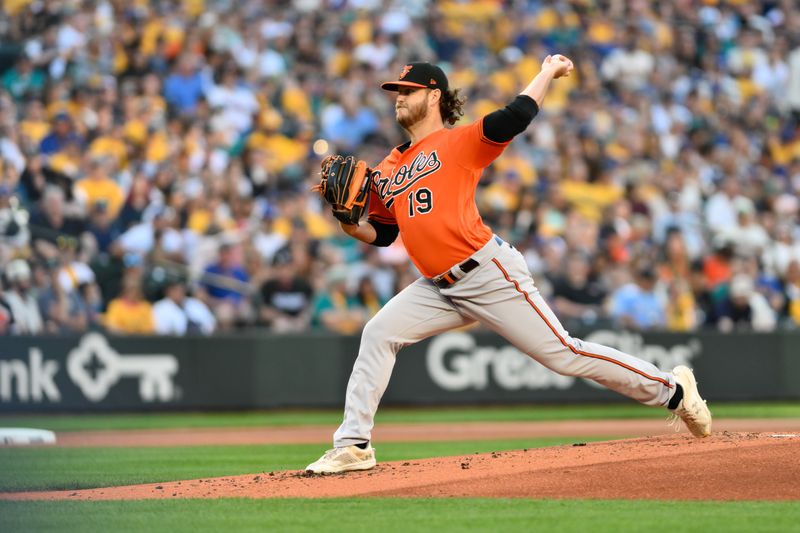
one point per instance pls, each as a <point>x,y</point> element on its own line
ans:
<point>348,124</point>
<point>286,297</point>
<point>63,311</point>
<point>98,187</point>
<point>720,209</point>
<point>336,309</point>
<point>630,64</point>
<point>233,105</point>
<point>20,299</point>
<point>36,177</point>
<point>225,288</point>
<point>681,310</point>
<point>368,297</point>
<point>52,230</point>
<point>135,204</point>
<point>179,314</point>
<point>130,313</point>
<point>213,117</point>
<point>93,304</point>
<point>61,137</point>
<point>14,232</point>
<point>675,263</point>
<point>747,236</point>
<point>71,269</point>
<point>266,241</point>
<point>184,88</point>
<point>744,307</point>
<point>717,265</point>
<point>23,80</point>
<point>636,305</point>
<point>687,222</point>
<point>576,297</point>
<point>142,238</point>
<point>102,226</point>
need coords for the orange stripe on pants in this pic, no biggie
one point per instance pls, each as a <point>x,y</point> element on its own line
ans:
<point>563,341</point>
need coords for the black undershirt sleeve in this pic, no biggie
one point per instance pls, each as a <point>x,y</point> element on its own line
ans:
<point>387,233</point>
<point>502,125</point>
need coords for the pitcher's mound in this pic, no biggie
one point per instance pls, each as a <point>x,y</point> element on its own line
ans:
<point>726,466</point>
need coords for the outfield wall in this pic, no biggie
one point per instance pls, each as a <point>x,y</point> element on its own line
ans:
<point>95,372</point>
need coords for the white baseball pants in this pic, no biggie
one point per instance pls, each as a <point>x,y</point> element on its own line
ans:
<point>501,295</point>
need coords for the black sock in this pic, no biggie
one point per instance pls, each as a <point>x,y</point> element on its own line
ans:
<point>364,445</point>
<point>676,398</point>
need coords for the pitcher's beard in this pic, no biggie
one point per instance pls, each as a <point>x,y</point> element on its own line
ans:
<point>413,115</point>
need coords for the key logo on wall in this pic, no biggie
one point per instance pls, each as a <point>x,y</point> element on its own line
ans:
<point>95,367</point>
<point>154,371</point>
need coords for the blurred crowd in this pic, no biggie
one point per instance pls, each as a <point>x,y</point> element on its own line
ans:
<point>156,158</point>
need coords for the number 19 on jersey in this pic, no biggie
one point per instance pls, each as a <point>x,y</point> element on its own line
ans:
<point>420,201</point>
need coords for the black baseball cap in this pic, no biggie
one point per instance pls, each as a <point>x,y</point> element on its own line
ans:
<point>420,75</point>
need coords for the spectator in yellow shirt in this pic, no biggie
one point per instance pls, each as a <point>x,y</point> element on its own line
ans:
<point>34,127</point>
<point>130,313</point>
<point>681,310</point>
<point>98,187</point>
<point>109,141</point>
<point>294,210</point>
<point>589,198</point>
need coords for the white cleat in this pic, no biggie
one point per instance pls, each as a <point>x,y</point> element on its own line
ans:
<point>692,409</point>
<point>344,460</point>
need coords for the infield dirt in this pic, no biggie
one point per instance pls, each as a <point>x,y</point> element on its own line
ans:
<point>726,466</point>
<point>606,429</point>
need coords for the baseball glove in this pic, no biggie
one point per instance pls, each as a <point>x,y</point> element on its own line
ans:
<point>344,183</point>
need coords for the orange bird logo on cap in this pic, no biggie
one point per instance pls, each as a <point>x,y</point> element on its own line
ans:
<point>406,70</point>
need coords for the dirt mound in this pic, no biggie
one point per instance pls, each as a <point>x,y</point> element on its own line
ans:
<point>726,466</point>
<point>406,432</point>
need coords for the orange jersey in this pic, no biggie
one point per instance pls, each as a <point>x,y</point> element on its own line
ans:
<point>428,190</point>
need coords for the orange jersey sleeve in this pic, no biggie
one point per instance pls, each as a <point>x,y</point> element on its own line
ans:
<point>475,151</point>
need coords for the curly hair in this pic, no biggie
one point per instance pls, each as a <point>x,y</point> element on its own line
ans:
<point>450,106</point>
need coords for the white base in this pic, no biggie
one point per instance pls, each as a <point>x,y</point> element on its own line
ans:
<point>25,436</point>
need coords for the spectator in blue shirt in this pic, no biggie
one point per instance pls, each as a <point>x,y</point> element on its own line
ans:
<point>226,277</point>
<point>184,87</point>
<point>62,135</point>
<point>636,305</point>
<point>226,289</point>
<point>351,124</point>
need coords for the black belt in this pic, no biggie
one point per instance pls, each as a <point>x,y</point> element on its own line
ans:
<point>449,278</point>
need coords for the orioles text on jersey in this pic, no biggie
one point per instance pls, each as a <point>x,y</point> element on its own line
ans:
<point>407,175</point>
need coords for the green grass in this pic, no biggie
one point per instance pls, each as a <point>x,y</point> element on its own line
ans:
<point>396,415</point>
<point>73,468</point>
<point>405,515</point>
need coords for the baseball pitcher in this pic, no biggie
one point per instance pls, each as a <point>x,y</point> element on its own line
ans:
<point>425,190</point>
